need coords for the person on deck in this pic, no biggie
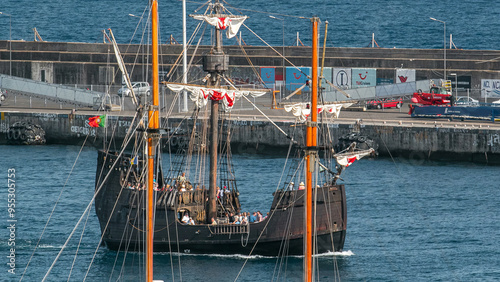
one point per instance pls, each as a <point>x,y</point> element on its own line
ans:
<point>213,221</point>
<point>290,186</point>
<point>259,216</point>
<point>185,218</point>
<point>244,218</point>
<point>236,219</point>
<point>253,217</point>
<point>302,186</point>
<point>182,178</point>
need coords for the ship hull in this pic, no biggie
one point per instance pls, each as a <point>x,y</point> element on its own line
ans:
<point>121,216</point>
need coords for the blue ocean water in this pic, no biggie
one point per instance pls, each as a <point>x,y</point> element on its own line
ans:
<point>408,220</point>
<point>399,24</point>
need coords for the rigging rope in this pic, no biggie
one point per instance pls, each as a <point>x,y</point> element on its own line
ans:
<point>277,52</point>
<point>53,209</point>
<point>263,114</point>
<point>101,185</point>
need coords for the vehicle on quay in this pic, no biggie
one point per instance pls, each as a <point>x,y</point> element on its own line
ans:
<point>140,88</point>
<point>437,95</point>
<point>385,103</point>
<point>466,101</point>
<point>3,95</point>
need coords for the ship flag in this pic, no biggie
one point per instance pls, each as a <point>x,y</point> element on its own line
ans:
<point>97,121</point>
<point>134,160</point>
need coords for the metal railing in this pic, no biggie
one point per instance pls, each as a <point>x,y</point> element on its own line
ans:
<point>50,91</point>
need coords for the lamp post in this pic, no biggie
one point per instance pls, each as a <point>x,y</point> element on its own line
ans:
<point>283,52</point>
<point>10,42</point>
<point>456,83</point>
<point>444,45</point>
<point>456,87</point>
<point>142,45</point>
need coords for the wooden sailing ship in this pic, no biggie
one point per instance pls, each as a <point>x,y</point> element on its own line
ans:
<point>137,201</point>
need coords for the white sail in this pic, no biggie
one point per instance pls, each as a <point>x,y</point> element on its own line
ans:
<point>346,159</point>
<point>302,110</point>
<point>230,24</point>
<point>200,95</point>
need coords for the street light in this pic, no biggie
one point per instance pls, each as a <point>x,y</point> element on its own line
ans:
<point>10,41</point>
<point>283,52</point>
<point>444,44</point>
<point>142,45</point>
<point>456,87</point>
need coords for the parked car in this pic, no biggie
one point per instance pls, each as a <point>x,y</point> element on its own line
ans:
<point>385,103</point>
<point>140,88</point>
<point>466,101</point>
<point>3,95</point>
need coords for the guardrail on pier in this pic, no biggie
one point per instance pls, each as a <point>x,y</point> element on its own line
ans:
<point>50,91</point>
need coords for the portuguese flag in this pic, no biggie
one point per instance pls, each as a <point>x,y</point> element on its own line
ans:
<point>98,121</point>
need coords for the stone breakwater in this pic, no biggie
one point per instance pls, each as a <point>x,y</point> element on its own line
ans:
<point>417,142</point>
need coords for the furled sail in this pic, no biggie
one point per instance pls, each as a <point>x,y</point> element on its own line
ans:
<point>346,159</point>
<point>302,110</point>
<point>200,95</point>
<point>231,24</point>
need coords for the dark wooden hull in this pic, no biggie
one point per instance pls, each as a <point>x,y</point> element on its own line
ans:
<point>122,225</point>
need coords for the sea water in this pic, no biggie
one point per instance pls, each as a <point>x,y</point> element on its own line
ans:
<point>408,220</point>
<point>396,24</point>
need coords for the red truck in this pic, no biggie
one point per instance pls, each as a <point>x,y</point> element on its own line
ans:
<point>436,96</point>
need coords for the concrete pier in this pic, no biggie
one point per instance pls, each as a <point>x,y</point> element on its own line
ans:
<point>396,133</point>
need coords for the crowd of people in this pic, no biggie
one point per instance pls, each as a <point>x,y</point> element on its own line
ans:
<point>243,218</point>
<point>231,218</point>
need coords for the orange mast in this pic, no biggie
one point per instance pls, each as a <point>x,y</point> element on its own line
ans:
<point>310,154</point>
<point>153,118</point>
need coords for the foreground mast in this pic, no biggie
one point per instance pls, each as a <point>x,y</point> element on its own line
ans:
<point>152,137</point>
<point>311,155</point>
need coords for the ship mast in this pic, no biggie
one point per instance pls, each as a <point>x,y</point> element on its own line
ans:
<point>311,155</point>
<point>215,63</point>
<point>152,137</point>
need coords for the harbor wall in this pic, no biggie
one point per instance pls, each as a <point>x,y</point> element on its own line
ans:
<point>416,143</point>
<point>93,63</point>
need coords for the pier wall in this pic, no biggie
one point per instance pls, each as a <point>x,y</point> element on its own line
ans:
<point>94,64</point>
<point>417,143</point>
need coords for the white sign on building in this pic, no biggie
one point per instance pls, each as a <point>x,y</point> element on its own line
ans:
<point>490,88</point>
<point>342,78</point>
<point>404,75</point>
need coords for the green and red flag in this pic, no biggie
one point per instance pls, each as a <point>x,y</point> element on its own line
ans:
<point>97,121</point>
